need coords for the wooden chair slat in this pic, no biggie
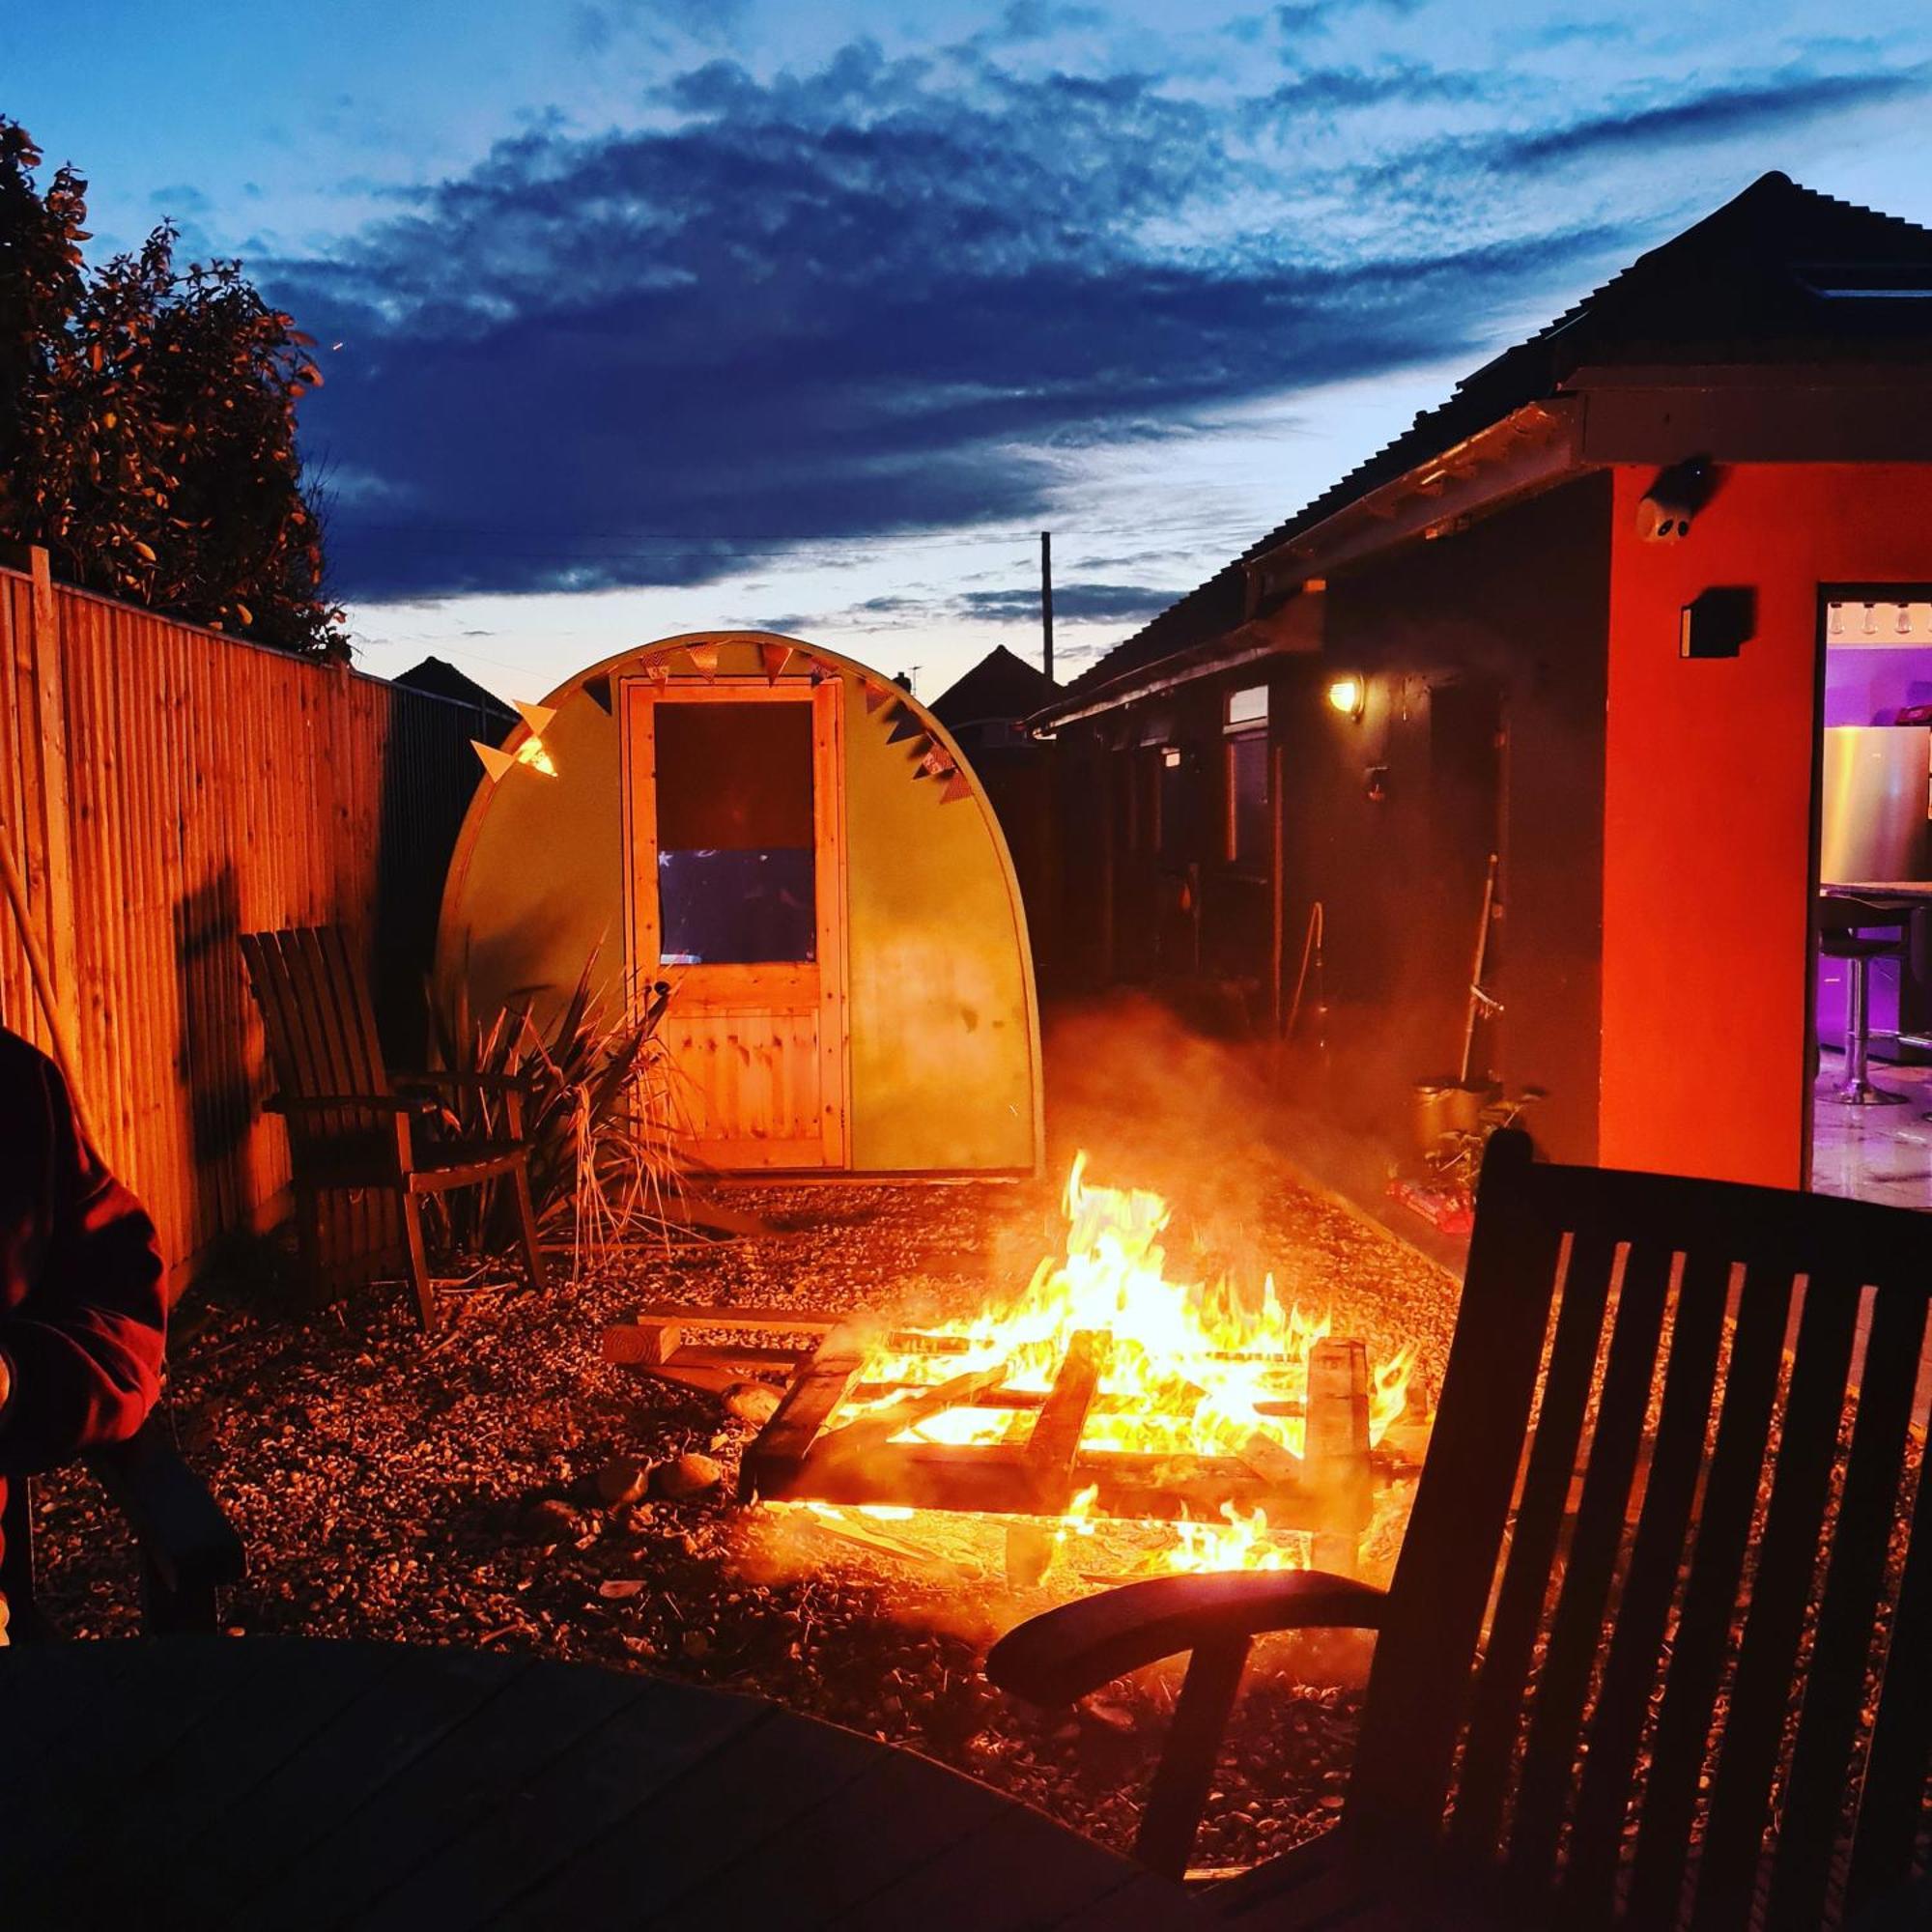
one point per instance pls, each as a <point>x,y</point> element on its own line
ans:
<point>1576,1634</point>
<point>1891,1808</point>
<point>1698,1651</point>
<point>1420,1680</point>
<point>1728,1870</point>
<point>1835,1675</point>
<point>1496,1717</point>
<point>1630,1671</point>
<point>355,1015</point>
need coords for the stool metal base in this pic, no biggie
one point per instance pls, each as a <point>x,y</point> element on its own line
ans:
<point>1862,1093</point>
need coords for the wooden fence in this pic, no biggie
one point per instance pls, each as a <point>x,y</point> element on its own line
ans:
<point>165,788</point>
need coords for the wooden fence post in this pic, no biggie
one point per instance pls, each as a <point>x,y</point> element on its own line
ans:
<point>55,877</point>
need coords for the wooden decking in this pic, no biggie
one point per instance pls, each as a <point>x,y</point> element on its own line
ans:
<point>292,1782</point>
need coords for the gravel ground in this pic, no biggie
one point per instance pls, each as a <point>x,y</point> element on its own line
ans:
<point>444,1492</point>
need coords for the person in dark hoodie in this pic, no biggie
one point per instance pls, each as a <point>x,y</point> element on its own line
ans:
<point>82,1314</point>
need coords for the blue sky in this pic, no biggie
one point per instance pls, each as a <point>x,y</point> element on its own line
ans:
<point>641,316</point>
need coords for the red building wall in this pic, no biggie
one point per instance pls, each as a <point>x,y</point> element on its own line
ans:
<point>1708,809</point>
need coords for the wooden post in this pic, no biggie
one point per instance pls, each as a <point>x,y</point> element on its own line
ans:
<point>47,872</point>
<point>1277,766</point>
<point>1335,1455</point>
<point>1105,921</point>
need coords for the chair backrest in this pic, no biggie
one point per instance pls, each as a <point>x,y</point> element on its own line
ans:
<point>319,1026</point>
<point>1636,1663</point>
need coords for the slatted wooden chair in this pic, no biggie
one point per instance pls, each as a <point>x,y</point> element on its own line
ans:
<point>188,1549</point>
<point>1662,1696</point>
<point>353,1128</point>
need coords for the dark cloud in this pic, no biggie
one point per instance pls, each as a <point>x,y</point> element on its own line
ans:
<point>884,296</point>
<point>1072,604</point>
<point>1716,114</point>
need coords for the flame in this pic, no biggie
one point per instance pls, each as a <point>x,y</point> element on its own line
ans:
<point>1185,1368</point>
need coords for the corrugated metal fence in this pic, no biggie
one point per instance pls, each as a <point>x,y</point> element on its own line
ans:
<point>165,788</point>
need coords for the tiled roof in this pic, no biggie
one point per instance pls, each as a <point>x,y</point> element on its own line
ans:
<point>1780,273</point>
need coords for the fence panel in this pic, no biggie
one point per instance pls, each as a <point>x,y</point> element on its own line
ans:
<point>165,788</point>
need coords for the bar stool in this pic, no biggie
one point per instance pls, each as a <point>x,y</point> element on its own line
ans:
<point>1841,935</point>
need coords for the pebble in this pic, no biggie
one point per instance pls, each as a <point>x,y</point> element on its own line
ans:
<point>550,1522</point>
<point>690,1476</point>
<point>621,1480</point>
<point>751,1401</point>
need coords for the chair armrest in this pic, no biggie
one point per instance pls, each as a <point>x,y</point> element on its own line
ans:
<point>1063,1654</point>
<point>327,1103</point>
<point>178,1524</point>
<point>479,1083</point>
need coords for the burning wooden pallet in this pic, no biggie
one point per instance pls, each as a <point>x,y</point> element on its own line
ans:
<point>805,1452</point>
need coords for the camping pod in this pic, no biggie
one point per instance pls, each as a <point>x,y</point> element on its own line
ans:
<point>796,845</point>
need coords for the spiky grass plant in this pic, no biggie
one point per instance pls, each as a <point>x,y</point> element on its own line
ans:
<point>601,1114</point>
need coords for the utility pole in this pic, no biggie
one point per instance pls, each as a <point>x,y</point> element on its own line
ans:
<point>1046,601</point>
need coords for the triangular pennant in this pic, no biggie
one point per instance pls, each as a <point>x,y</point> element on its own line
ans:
<point>874,697</point>
<point>703,660</point>
<point>536,716</point>
<point>658,670</point>
<point>905,725</point>
<point>936,764</point>
<point>495,762</point>
<point>774,658</point>
<point>955,787</point>
<point>598,691</point>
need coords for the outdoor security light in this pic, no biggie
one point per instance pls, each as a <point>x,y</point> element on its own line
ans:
<point>1348,694</point>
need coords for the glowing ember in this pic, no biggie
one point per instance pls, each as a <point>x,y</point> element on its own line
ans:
<point>1185,1371</point>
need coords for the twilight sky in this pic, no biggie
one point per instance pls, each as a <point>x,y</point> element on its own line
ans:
<point>641,316</point>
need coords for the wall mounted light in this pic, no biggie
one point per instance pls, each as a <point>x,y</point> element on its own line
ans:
<point>1170,757</point>
<point>1347,695</point>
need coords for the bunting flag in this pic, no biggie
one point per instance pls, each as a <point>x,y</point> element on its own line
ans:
<point>955,787</point>
<point>905,725</point>
<point>495,762</point>
<point>774,658</point>
<point>598,691</point>
<point>936,764</point>
<point>536,716</point>
<point>874,697</point>
<point>703,660</point>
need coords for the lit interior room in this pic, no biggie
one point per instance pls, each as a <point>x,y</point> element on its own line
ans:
<point>1873,1097</point>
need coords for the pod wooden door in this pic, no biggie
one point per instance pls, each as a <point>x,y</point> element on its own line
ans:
<point>737,897</point>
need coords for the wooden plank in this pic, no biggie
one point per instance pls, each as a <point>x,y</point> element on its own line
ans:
<point>1728,1871</point>
<point>774,1460</point>
<point>1702,1637</point>
<point>1575,1641</point>
<point>1823,1754</point>
<point>1892,1806</point>
<point>55,874</point>
<point>1054,1441</point>
<point>1636,1646</point>
<point>1497,1715</point>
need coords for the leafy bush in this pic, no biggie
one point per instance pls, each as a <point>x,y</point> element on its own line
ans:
<point>148,422</point>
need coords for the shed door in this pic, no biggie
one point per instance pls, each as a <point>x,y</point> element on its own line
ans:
<point>737,898</point>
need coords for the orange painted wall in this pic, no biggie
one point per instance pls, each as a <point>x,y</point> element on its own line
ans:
<point>1707,822</point>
